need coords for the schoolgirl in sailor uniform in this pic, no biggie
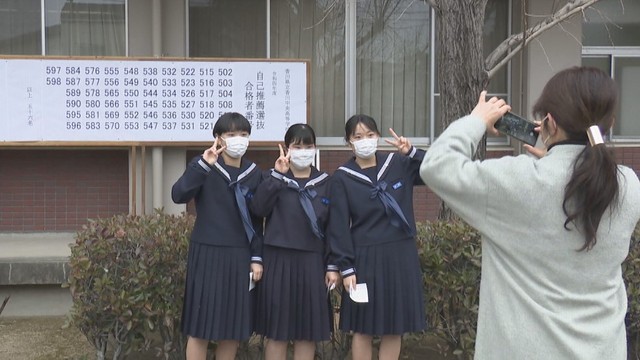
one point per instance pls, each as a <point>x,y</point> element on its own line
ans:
<point>371,232</point>
<point>226,241</point>
<point>292,298</point>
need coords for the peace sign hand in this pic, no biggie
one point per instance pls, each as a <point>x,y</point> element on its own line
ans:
<point>400,142</point>
<point>211,154</point>
<point>282,164</point>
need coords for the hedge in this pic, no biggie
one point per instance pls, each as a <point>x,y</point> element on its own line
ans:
<point>127,282</point>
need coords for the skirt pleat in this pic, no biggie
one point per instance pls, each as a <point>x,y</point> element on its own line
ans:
<point>217,301</point>
<point>292,299</point>
<point>394,282</point>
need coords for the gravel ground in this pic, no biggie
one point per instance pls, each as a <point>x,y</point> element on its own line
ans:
<point>41,338</point>
<point>46,338</point>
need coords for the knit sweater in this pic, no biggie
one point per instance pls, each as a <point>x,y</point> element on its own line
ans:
<point>540,298</point>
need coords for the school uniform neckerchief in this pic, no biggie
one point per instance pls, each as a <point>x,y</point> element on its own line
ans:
<point>307,194</point>
<point>241,192</point>
<point>391,206</point>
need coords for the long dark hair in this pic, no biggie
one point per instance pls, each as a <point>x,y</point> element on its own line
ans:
<point>578,98</point>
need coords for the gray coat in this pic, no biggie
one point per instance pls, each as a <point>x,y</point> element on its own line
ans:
<point>540,298</point>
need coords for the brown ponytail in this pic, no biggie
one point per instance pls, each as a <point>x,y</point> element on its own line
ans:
<point>578,98</point>
<point>593,187</point>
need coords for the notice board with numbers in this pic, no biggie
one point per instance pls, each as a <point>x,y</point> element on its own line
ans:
<point>146,101</point>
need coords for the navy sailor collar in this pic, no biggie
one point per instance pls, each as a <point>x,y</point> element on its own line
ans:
<point>246,167</point>
<point>352,168</point>
<point>315,178</point>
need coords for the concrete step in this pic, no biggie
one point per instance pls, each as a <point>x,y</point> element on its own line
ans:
<point>33,266</point>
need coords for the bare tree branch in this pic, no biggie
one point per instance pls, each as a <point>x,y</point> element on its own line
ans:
<point>502,54</point>
<point>544,51</point>
<point>570,34</point>
<point>327,12</point>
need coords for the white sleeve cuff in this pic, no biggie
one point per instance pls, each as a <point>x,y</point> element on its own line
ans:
<point>277,175</point>
<point>347,272</point>
<point>204,165</point>
<point>413,151</point>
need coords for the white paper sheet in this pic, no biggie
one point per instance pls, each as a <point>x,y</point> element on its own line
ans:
<point>360,294</point>
<point>252,284</point>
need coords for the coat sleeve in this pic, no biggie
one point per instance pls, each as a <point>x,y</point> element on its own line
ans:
<point>188,185</point>
<point>449,170</point>
<point>329,256</point>
<point>258,239</point>
<point>267,194</point>
<point>339,230</point>
<point>257,221</point>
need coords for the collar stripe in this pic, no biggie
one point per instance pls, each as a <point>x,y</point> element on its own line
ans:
<point>384,167</point>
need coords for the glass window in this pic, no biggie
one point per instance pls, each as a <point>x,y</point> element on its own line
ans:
<point>601,62</point>
<point>20,27</point>
<point>393,64</point>
<point>496,29</point>
<point>314,29</point>
<point>227,28</point>
<point>392,60</point>
<point>627,75</point>
<point>612,23</point>
<point>85,27</point>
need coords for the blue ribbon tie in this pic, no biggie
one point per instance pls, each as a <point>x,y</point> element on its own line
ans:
<point>241,192</point>
<point>391,207</point>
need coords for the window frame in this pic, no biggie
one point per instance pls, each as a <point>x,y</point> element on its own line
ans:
<point>611,53</point>
<point>351,73</point>
<point>43,27</point>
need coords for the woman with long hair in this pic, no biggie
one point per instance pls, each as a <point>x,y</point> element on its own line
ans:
<point>555,226</point>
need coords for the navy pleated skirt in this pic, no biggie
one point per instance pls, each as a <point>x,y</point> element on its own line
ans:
<point>394,282</point>
<point>292,299</point>
<point>217,301</point>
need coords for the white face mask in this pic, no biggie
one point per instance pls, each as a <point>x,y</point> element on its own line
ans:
<point>302,158</point>
<point>236,146</point>
<point>365,148</point>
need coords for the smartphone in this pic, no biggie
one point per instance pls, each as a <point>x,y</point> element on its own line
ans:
<point>517,127</point>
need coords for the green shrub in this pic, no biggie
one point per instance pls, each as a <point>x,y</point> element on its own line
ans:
<point>127,281</point>
<point>450,256</point>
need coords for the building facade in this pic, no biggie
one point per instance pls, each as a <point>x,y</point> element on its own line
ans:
<point>366,56</point>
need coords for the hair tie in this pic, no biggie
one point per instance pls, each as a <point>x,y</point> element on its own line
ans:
<point>595,136</point>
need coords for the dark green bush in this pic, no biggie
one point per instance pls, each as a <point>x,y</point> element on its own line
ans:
<point>127,282</point>
<point>450,258</point>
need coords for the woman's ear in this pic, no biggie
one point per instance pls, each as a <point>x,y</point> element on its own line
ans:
<point>553,126</point>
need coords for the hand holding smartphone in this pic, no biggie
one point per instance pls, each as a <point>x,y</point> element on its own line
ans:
<point>517,127</point>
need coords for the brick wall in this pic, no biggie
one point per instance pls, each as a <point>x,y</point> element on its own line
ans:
<point>629,156</point>
<point>57,190</point>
